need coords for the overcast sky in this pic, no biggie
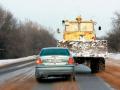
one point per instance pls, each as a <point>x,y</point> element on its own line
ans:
<point>50,13</point>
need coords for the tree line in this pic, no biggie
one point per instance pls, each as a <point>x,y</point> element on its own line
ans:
<point>19,39</point>
<point>113,36</point>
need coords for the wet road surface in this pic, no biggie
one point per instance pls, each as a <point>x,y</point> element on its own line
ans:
<point>23,79</point>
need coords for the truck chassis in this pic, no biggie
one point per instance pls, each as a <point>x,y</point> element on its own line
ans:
<point>90,53</point>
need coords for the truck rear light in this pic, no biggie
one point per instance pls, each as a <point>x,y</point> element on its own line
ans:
<point>39,61</point>
<point>71,60</point>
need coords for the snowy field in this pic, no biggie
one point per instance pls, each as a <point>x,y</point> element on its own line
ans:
<point>115,56</point>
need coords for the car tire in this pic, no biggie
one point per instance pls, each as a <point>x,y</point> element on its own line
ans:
<point>39,79</point>
<point>71,77</point>
<point>102,64</point>
<point>97,65</point>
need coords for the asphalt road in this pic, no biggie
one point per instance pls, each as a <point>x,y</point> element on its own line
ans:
<point>84,80</point>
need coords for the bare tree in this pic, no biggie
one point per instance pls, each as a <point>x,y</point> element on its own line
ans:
<point>113,36</point>
<point>19,39</point>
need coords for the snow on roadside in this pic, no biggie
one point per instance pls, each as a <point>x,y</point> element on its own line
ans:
<point>10,61</point>
<point>115,56</point>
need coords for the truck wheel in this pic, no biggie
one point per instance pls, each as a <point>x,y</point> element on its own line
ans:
<point>94,66</point>
<point>38,78</point>
<point>102,64</point>
<point>97,64</point>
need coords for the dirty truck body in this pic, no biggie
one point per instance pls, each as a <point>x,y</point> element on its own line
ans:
<point>80,37</point>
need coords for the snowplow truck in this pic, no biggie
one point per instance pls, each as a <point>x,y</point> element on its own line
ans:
<point>79,37</point>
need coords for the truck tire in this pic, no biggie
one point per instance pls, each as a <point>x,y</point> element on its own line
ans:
<point>94,65</point>
<point>94,68</point>
<point>97,64</point>
<point>101,64</point>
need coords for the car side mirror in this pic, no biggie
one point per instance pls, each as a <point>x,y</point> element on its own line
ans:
<point>58,30</point>
<point>63,21</point>
<point>99,28</point>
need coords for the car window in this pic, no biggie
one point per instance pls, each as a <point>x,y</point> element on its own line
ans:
<point>45,52</point>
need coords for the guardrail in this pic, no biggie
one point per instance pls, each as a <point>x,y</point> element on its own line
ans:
<point>15,64</point>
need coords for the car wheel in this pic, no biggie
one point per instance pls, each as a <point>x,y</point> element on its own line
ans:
<point>39,79</point>
<point>71,77</point>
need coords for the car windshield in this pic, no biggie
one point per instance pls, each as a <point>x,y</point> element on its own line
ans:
<point>45,52</point>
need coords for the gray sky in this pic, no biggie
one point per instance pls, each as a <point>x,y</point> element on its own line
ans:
<point>50,13</point>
